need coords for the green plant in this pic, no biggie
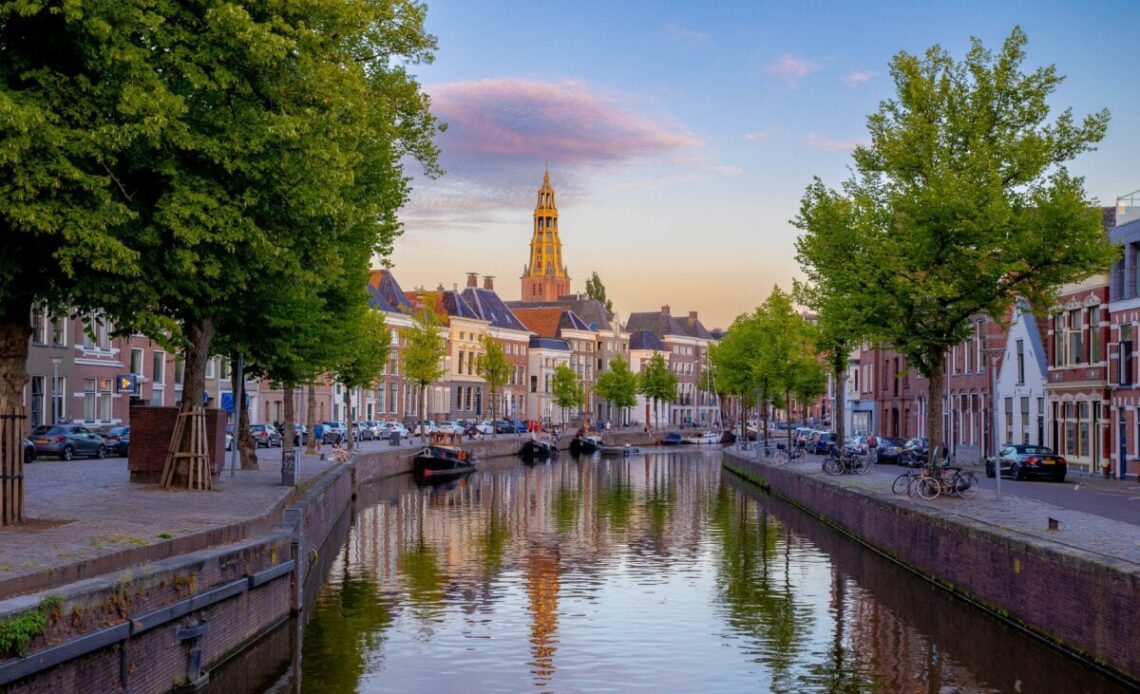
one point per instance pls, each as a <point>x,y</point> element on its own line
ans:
<point>17,631</point>
<point>165,536</point>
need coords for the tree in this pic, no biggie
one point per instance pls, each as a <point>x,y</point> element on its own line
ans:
<point>657,383</point>
<point>961,204</point>
<point>424,348</point>
<point>733,357</point>
<point>494,367</point>
<point>566,388</point>
<point>364,352</point>
<point>597,291</point>
<point>618,385</point>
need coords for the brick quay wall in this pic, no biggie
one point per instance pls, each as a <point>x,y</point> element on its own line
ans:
<point>1078,601</point>
<point>160,617</point>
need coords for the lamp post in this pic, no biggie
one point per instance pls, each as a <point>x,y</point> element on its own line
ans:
<point>992,353</point>
<point>55,413</point>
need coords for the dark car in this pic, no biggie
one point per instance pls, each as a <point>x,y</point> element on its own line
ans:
<point>66,441</point>
<point>915,452</point>
<point>118,439</point>
<point>265,435</point>
<point>29,451</point>
<point>890,450</point>
<point>822,444</point>
<point>1022,460</point>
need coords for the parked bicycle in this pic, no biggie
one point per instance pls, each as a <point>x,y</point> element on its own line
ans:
<point>951,481</point>
<point>786,455</point>
<point>839,462</point>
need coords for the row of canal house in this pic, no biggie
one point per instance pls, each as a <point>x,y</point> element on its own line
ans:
<point>1067,377</point>
<point>74,364</point>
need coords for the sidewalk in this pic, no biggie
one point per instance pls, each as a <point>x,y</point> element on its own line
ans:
<point>1112,541</point>
<point>84,510</point>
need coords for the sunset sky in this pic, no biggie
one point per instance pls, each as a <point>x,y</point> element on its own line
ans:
<point>681,135</point>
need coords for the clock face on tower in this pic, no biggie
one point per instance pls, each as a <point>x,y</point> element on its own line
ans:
<point>544,277</point>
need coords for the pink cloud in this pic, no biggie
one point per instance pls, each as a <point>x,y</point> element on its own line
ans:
<point>502,132</point>
<point>791,69</point>
<point>858,77</point>
<point>828,144</point>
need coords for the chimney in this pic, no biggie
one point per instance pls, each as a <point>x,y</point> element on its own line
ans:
<point>692,315</point>
<point>665,309</point>
<point>472,279</point>
<point>489,282</point>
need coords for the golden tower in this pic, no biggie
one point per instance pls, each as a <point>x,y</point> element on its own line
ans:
<point>544,277</point>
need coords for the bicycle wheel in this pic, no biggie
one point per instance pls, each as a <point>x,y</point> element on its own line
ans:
<point>928,488</point>
<point>966,485</point>
<point>901,483</point>
<point>862,464</point>
<point>832,466</point>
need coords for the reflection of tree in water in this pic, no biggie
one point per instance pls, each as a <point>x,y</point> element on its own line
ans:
<point>756,588</point>
<point>419,565</point>
<point>345,628</point>
<point>615,498</point>
<point>838,670</point>
<point>566,504</point>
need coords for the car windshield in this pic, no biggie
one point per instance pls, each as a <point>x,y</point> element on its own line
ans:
<point>41,430</point>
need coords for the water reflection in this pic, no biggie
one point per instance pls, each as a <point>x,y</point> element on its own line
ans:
<point>648,572</point>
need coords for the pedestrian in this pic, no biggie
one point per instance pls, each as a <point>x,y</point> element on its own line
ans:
<point>319,435</point>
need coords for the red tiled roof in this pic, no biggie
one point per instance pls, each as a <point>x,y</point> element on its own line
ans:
<point>541,321</point>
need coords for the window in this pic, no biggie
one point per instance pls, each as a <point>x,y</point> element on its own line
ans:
<point>1020,362</point>
<point>1125,348</point>
<point>136,361</point>
<point>39,326</point>
<point>1025,420</point>
<point>392,397</point>
<point>59,331</point>
<point>89,399</point>
<point>158,367</point>
<point>1076,355</point>
<point>1059,339</point>
<point>224,369</point>
<point>1009,419</point>
<point>36,408</point>
<point>179,371</point>
<point>210,368</point>
<point>1083,417</point>
<point>1094,335</point>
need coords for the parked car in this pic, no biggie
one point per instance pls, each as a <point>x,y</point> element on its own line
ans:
<point>425,427</point>
<point>451,426</point>
<point>822,442</point>
<point>485,427</point>
<point>369,430</point>
<point>915,452</point>
<point>118,439</point>
<point>1022,460</point>
<point>800,436</point>
<point>29,451</point>
<point>397,426</point>
<point>67,441</point>
<point>300,434</point>
<point>504,426</point>
<point>333,432</point>
<point>265,435</point>
<point>890,450</point>
<point>857,445</point>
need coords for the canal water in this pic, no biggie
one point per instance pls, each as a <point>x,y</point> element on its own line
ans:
<point>659,572</point>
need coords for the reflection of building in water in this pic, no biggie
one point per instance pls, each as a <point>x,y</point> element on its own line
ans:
<point>896,655</point>
<point>542,593</point>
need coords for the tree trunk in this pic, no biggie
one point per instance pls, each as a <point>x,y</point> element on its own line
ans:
<point>247,447</point>
<point>15,333</point>
<point>494,411</point>
<point>787,422</point>
<point>311,419</point>
<point>839,373</point>
<point>199,335</point>
<point>348,415</point>
<point>934,417</point>
<point>423,412</point>
<point>287,437</point>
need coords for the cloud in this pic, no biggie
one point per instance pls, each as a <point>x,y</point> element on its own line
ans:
<point>673,32</point>
<point>858,77</point>
<point>501,132</point>
<point>791,69</point>
<point>758,135</point>
<point>827,144</point>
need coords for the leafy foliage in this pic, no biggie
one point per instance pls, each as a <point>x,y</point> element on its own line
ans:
<point>494,367</point>
<point>424,348</point>
<point>618,385</point>
<point>597,291</point>
<point>566,388</point>
<point>657,382</point>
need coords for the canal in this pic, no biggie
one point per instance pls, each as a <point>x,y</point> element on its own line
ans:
<point>658,572</point>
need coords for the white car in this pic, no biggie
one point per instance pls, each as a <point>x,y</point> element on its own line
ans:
<point>451,426</point>
<point>426,427</point>
<point>397,426</point>
<point>485,427</point>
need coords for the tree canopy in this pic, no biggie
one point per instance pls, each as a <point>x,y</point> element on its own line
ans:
<point>566,388</point>
<point>618,385</point>
<point>424,348</point>
<point>596,290</point>
<point>960,205</point>
<point>657,383</point>
<point>494,367</point>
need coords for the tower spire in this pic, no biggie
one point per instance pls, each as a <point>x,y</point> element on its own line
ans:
<point>544,277</point>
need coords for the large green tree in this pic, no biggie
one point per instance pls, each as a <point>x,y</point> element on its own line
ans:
<point>365,344</point>
<point>494,367</point>
<point>566,388</point>
<point>657,383</point>
<point>596,290</point>
<point>962,203</point>
<point>618,385</point>
<point>424,348</point>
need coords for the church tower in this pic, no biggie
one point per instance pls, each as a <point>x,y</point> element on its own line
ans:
<point>544,277</point>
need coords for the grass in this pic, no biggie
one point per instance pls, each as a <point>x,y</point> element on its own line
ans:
<point>17,632</point>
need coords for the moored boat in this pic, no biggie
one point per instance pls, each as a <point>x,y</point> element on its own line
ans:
<point>625,450</point>
<point>443,458</point>
<point>670,439</point>
<point>538,449</point>
<point>585,444</point>
<point>703,437</point>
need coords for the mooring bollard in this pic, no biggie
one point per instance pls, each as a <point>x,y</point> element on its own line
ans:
<point>291,468</point>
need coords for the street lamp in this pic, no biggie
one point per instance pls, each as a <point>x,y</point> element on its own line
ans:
<point>992,353</point>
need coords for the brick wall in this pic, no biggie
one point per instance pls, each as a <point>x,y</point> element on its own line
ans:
<point>1060,594</point>
<point>151,429</point>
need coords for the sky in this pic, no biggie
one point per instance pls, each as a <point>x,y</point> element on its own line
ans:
<point>680,136</point>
